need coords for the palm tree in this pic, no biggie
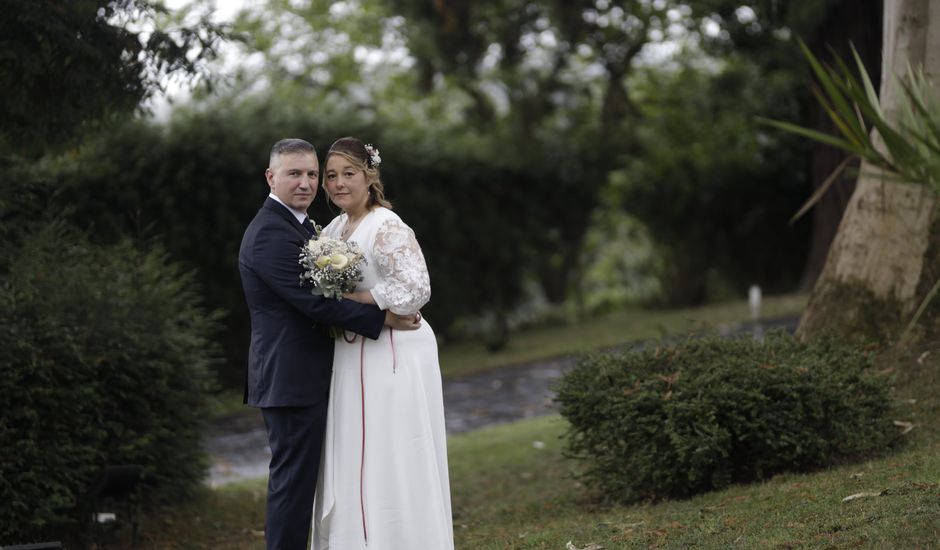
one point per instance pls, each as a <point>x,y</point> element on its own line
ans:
<point>881,264</point>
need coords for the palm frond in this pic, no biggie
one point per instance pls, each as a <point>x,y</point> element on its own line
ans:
<point>814,198</point>
<point>905,150</point>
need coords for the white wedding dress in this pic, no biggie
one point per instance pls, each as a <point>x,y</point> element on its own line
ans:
<point>383,481</point>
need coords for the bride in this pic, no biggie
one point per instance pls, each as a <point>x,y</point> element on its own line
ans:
<point>383,481</point>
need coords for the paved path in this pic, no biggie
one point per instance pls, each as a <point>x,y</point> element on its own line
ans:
<point>238,444</point>
<point>239,449</point>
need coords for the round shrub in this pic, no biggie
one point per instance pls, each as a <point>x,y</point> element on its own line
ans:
<point>104,360</point>
<point>706,413</point>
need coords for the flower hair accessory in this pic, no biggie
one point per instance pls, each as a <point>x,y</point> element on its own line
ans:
<point>374,159</point>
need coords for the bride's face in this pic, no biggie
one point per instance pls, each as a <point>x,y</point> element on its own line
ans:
<point>346,184</point>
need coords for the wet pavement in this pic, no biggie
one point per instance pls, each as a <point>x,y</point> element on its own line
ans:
<point>238,444</point>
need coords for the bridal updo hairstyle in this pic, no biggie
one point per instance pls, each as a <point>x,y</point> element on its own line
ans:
<point>355,152</point>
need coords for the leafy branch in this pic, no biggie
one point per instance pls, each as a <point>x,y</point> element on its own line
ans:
<point>907,150</point>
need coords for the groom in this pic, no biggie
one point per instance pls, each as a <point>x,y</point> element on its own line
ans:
<point>290,361</point>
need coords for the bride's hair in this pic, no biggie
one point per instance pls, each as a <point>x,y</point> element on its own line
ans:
<point>355,152</point>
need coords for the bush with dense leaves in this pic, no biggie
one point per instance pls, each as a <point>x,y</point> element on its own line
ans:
<point>672,422</point>
<point>104,360</point>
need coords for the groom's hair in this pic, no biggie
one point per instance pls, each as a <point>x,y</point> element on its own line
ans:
<point>291,146</point>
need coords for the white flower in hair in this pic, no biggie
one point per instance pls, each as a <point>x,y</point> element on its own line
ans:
<point>374,158</point>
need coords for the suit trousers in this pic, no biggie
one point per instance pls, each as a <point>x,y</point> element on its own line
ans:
<point>295,435</point>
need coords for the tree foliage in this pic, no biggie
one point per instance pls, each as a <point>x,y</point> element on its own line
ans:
<point>106,355</point>
<point>715,190</point>
<point>106,350</point>
<point>196,184</point>
<point>504,125</point>
<point>66,67</point>
<point>527,177</point>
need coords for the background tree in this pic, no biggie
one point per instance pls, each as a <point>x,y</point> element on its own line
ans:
<point>509,148</point>
<point>68,66</point>
<point>875,270</point>
<point>848,24</point>
<point>106,349</point>
<point>712,196</point>
<point>764,32</point>
<point>525,168</point>
<point>496,42</point>
<point>554,76</point>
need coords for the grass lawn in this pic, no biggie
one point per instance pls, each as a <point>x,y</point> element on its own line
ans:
<point>513,488</point>
<point>605,331</point>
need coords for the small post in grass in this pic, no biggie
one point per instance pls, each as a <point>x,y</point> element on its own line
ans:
<point>754,301</point>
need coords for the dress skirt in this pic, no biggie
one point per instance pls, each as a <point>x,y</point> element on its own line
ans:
<point>383,482</point>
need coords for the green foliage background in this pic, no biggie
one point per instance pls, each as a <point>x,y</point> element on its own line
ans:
<point>512,164</point>
<point>105,358</point>
<point>516,135</point>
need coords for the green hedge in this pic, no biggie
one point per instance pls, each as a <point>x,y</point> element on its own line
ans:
<point>706,413</point>
<point>104,359</point>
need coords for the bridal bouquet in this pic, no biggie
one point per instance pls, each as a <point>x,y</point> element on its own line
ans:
<point>333,266</point>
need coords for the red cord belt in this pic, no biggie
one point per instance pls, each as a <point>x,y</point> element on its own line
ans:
<point>362,388</point>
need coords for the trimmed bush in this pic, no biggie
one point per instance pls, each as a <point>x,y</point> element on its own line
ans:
<point>104,359</point>
<point>672,422</point>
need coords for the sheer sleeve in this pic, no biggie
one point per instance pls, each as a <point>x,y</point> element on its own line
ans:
<point>404,285</point>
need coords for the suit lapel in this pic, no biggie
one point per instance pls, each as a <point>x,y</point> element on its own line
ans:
<point>288,216</point>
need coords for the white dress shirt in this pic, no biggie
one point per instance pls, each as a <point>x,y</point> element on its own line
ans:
<point>299,214</point>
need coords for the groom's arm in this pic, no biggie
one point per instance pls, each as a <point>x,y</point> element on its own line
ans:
<point>276,253</point>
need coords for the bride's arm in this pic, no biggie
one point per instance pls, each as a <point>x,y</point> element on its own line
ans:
<point>404,285</point>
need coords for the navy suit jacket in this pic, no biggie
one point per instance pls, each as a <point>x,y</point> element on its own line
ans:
<point>290,360</point>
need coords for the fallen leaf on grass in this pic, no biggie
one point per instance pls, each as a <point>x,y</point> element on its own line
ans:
<point>907,426</point>
<point>590,546</point>
<point>861,495</point>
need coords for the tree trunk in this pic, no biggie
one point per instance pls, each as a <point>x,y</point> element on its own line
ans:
<point>870,282</point>
<point>857,23</point>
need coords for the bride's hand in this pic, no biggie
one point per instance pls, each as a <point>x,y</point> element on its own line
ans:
<point>361,296</point>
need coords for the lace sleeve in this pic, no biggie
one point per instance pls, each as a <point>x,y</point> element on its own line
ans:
<point>404,285</point>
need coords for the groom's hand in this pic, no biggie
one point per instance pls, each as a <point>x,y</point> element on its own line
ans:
<point>403,322</point>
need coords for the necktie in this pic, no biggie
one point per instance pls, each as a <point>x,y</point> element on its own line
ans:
<point>308,225</point>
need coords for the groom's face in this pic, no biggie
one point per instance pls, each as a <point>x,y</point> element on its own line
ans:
<point>294,179</point>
